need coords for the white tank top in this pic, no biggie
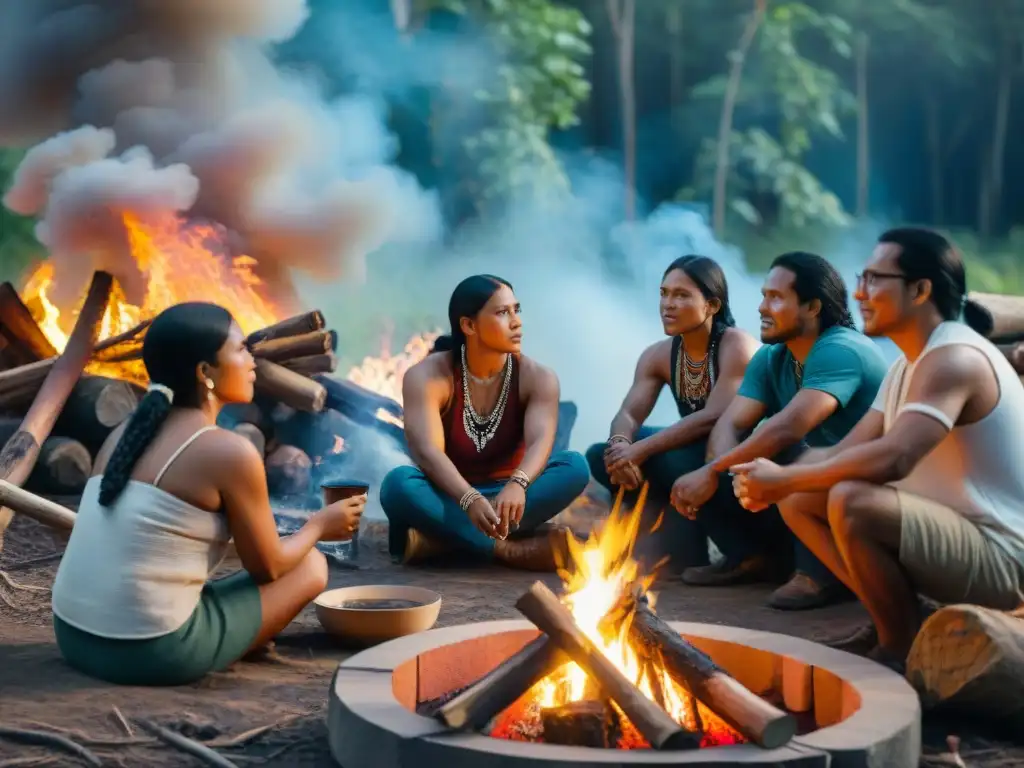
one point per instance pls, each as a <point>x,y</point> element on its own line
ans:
<point>135,570</point>
<point>977,469</point>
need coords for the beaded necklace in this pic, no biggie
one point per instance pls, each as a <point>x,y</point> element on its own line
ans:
<point>481,429</point>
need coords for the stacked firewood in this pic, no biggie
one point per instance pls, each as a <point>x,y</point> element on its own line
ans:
<point>300,413</point>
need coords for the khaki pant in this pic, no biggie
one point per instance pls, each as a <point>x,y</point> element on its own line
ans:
<point>950,559</point>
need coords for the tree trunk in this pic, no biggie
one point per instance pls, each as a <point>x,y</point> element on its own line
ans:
<point>622,14</point>
<point>936,157</point>
<point>732,89</point>
<point>863,123</point>
<point>993,198</point>
<point>676,82</point>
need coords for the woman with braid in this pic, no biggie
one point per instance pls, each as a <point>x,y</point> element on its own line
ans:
<point>480,419</point>
<point>132,601</point>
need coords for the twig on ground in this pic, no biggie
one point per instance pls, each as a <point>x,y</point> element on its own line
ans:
<point>28,762</point>
<point>23,587</point>
<point>246,736</point>
<point>43,739</point>
<point>122,722</point>
<point>185,744</point>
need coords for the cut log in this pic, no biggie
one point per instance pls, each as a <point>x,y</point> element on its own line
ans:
<point>63,468</point>
<point>759,721</point>
<point>540,605</point>
<point>97,406</point>
<point>39,509</point>
<point>356,402</point>
<point>19,454</point>
<point>25,338</point>
<point>289,471</point>
<point>971,659</point>
<point>501,687</point>
<point>312,364</point>
<point>293,389</point>
<point>582,724</point>
<point>995,316</point>
<point>288,347</point>
<point>253,434</point>
<point>292,326</point>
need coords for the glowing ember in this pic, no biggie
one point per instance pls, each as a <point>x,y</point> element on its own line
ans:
<point>384,374</point>
<point>600,572</point>
<point>181,261</point>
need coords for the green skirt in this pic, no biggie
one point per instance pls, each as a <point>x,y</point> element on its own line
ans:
<point>218,633</point>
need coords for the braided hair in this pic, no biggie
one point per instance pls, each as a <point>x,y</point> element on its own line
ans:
<point>179,340</point>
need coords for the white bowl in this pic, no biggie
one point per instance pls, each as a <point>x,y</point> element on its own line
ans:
<point>368,626</point>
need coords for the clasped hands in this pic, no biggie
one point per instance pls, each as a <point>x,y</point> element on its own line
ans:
<point>502,516</point>
<point>757,485</point>
<point>622,460</point>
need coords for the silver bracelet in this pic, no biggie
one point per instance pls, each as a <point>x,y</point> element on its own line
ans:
<point>468,498</point>
<point>618,439</point>
<point>520,480</point>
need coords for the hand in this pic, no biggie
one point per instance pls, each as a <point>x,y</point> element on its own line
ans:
<point>759,484</point>
<point>620,453</point>
<point>483,516</point>
<point>510,505</point>
<point>692,491</point>
<point>628,476</point>
<point>341,519</point>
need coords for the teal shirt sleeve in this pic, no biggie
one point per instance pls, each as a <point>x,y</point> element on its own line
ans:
<point>756,378</point>
<point>834,368</point>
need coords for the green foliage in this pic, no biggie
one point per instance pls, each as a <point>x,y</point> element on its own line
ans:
<point>538,85</point>
<point>18,244</point>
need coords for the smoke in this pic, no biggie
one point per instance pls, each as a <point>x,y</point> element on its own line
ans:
<point>160,107</point>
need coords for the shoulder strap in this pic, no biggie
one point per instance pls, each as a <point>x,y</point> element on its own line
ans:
<point>673,360</point>
<point>178,452</point>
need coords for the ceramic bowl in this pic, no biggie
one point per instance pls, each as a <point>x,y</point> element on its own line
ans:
<point>368,626</point>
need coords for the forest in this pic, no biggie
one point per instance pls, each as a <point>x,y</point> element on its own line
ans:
<point>783,122</point>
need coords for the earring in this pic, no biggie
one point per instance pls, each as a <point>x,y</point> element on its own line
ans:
<point>209,389</point>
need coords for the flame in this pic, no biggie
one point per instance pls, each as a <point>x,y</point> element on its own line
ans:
<point>599,573</point>
<point>181,261</point>
<point>384,374</point>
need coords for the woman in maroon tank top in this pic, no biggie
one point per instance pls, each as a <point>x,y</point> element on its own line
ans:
<point>480,420</point>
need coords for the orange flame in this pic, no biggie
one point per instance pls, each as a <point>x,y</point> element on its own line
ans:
<point>384,374</point>
<point>181,261</point>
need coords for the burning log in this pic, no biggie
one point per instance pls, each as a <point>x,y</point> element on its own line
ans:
<point>995,316</point>
<point>39,509</point>
<point>292,326</point>
<point>542,607</point>
<point>26,342</point>
<point>582,724</point>
<point>356,402</point>
<point>501,687</point>
<point>289,347</point>
<point>96,407</point>
<point>289,471</point>
<point>19,454</point>
<point>288,387</point>
<point>745,711</point>
<point>313,364</point>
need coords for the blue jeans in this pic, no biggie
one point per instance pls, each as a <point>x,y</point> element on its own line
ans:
<point>683,541</point>
<point>411,500</point>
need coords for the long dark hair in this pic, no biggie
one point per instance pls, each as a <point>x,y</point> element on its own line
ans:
<point>468,298</point>
<point>816,278</point>
<point>180,338</point>
<point>927,255</point>
<point>708,276</point>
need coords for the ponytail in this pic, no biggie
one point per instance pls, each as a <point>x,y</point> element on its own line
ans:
<point>451,343</point>
<point>142,427</point>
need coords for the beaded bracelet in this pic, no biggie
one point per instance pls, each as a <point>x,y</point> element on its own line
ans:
<point>520,478</point>
<point>618,439</point>
<point>468,498</point>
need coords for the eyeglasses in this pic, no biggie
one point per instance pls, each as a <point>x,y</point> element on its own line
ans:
<point>868,278</point>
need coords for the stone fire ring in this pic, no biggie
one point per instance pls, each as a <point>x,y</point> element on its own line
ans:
<point>867,715</point>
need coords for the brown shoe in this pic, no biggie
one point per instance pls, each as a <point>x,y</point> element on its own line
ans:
<point>420,547</point>
<point>538,553</point>
<point>725,574</point>
<point>860,642</point>
<point>801,593</point>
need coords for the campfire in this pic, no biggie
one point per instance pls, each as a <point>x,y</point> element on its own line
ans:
<point>607,671</point>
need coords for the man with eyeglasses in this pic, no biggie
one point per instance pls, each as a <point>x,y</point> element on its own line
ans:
<point>808,386</point>
<point>926,494</point>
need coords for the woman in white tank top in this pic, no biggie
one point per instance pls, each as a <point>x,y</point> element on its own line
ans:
<point>132,601</point>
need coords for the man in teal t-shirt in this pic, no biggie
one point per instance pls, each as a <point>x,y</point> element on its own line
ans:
<point>807,388</point>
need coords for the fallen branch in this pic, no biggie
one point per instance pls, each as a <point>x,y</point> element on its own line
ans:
<point>24,587</point>
<point>39,509</point>
<point>246,736</point>
<point>43,739</point>
<point>26,762</point>
<point>185,744</point>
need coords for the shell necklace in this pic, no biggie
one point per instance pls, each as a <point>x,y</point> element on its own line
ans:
<point>694,378</point>
<point>481,429</point>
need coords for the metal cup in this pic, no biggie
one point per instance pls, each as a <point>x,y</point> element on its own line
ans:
<point>337,490</point>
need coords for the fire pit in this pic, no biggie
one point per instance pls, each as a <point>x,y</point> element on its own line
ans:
<point>605,680</point>
<point>851,711</point>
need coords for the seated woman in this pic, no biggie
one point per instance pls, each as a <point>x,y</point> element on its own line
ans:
<point>480,418</point>
<point>702,364</point>
<point>132,603</point>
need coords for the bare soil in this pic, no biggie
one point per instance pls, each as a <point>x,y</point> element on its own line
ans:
<point>286,691</point>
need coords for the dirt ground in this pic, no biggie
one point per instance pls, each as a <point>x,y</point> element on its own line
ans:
<point>287,691</point>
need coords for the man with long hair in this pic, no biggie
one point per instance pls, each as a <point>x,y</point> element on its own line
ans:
<point>808,387</point>
<point>924,495</point>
